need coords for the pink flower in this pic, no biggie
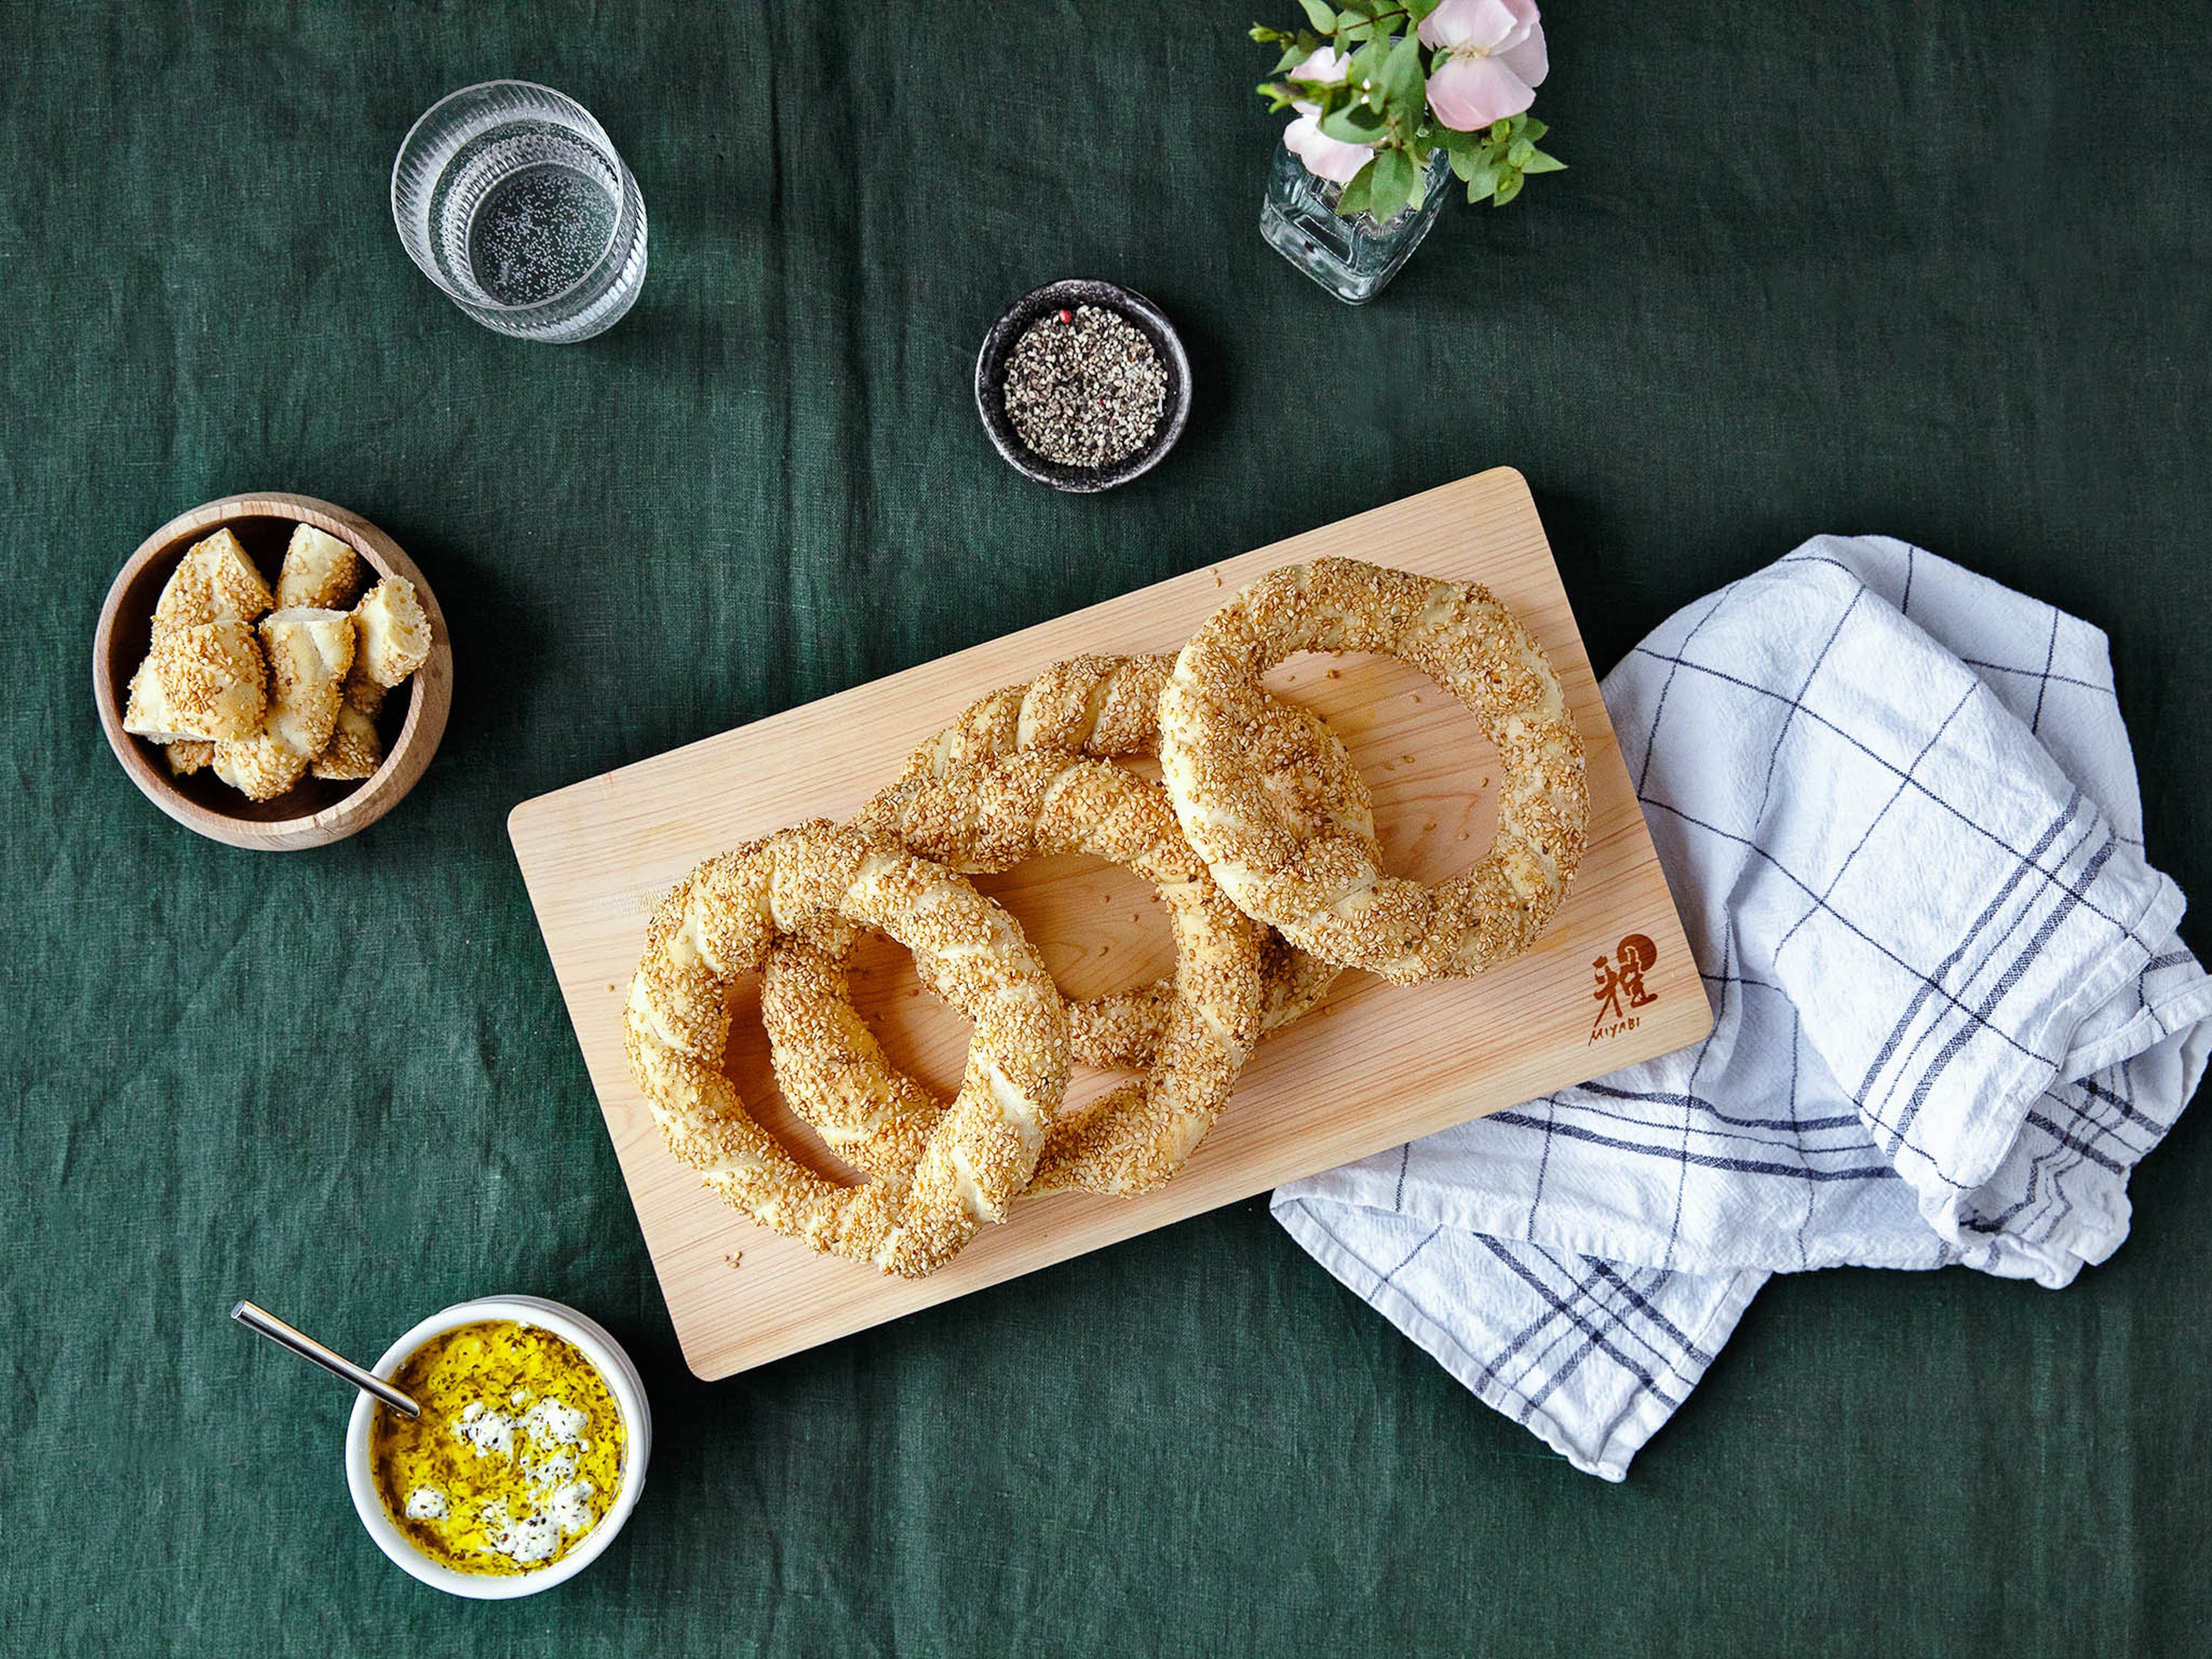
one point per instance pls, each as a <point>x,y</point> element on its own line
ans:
<point>1493,61</point>
<point>1325,157</point>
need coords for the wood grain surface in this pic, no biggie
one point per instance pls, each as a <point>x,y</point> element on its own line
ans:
<point>1375,1066</point>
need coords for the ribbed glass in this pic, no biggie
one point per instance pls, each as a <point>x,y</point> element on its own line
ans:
<point>512,199</point>
<point>1353,258</point>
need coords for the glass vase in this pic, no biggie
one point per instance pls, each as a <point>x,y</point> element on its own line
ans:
<point>1353,258</point>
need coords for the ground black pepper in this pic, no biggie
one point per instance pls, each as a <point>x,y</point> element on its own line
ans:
<point>1086,389</point>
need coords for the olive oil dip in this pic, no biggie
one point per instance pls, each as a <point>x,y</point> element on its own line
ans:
<point>517,1454</point>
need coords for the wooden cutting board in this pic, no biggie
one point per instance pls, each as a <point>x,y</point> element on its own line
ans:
<point>1375,1066</point>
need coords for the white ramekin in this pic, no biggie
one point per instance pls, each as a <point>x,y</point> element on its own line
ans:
<point>622,1382</point>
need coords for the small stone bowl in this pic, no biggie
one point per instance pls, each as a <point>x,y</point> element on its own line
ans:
<point>1142,315</point>
<point>315,811</point>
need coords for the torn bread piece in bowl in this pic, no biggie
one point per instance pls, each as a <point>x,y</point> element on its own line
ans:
<point>272,671</point>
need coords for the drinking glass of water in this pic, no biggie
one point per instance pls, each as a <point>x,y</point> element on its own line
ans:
<point>511,198</point>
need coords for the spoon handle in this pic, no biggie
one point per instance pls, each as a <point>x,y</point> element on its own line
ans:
<point>260,1319</point>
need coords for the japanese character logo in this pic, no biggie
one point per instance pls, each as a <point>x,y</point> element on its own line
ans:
<point>1620,986</point>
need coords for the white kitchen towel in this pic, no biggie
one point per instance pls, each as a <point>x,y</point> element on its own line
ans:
<point>1897,807</point>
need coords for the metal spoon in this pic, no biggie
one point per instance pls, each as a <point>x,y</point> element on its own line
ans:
<point>267,1323</point>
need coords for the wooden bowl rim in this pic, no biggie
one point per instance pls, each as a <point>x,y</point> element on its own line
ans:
<point>428,703</point>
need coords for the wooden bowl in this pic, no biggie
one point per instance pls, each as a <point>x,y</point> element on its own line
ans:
<point>316,811</point>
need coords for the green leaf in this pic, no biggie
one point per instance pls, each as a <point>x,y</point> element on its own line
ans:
<point>1518,154</point>
<point>1532,129</point>
<point>1401,78</point>
<point>1459,143</point>
<point>1323,18</point>
<point>1508,188</point>
<point>1365,72</point>
<point>1393,186</point>
<point>1355,197</point>
<point>1417,11</point>
<point>1501,130</point>
<point>1481,181</point>
<point>1539,162</point>
<point>1290,58</point>
<point>1472,155</point>
<point>1354,124</point>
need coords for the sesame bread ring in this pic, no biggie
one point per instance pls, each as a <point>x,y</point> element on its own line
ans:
<point>718,923</point>
<point>1324,889</point>
<point>830,1067</point>
<point>991,814</point>
<point>1102,706</point>
<point>1106,707</point>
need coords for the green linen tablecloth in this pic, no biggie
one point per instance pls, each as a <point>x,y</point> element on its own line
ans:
<point>1940,272</point>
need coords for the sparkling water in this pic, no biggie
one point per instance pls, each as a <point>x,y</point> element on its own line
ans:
<point>538,231</point>
<point>510,196</point>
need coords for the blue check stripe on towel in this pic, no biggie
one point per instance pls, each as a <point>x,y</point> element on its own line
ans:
<point>1619,1347</point>
<point>1897,806</point>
